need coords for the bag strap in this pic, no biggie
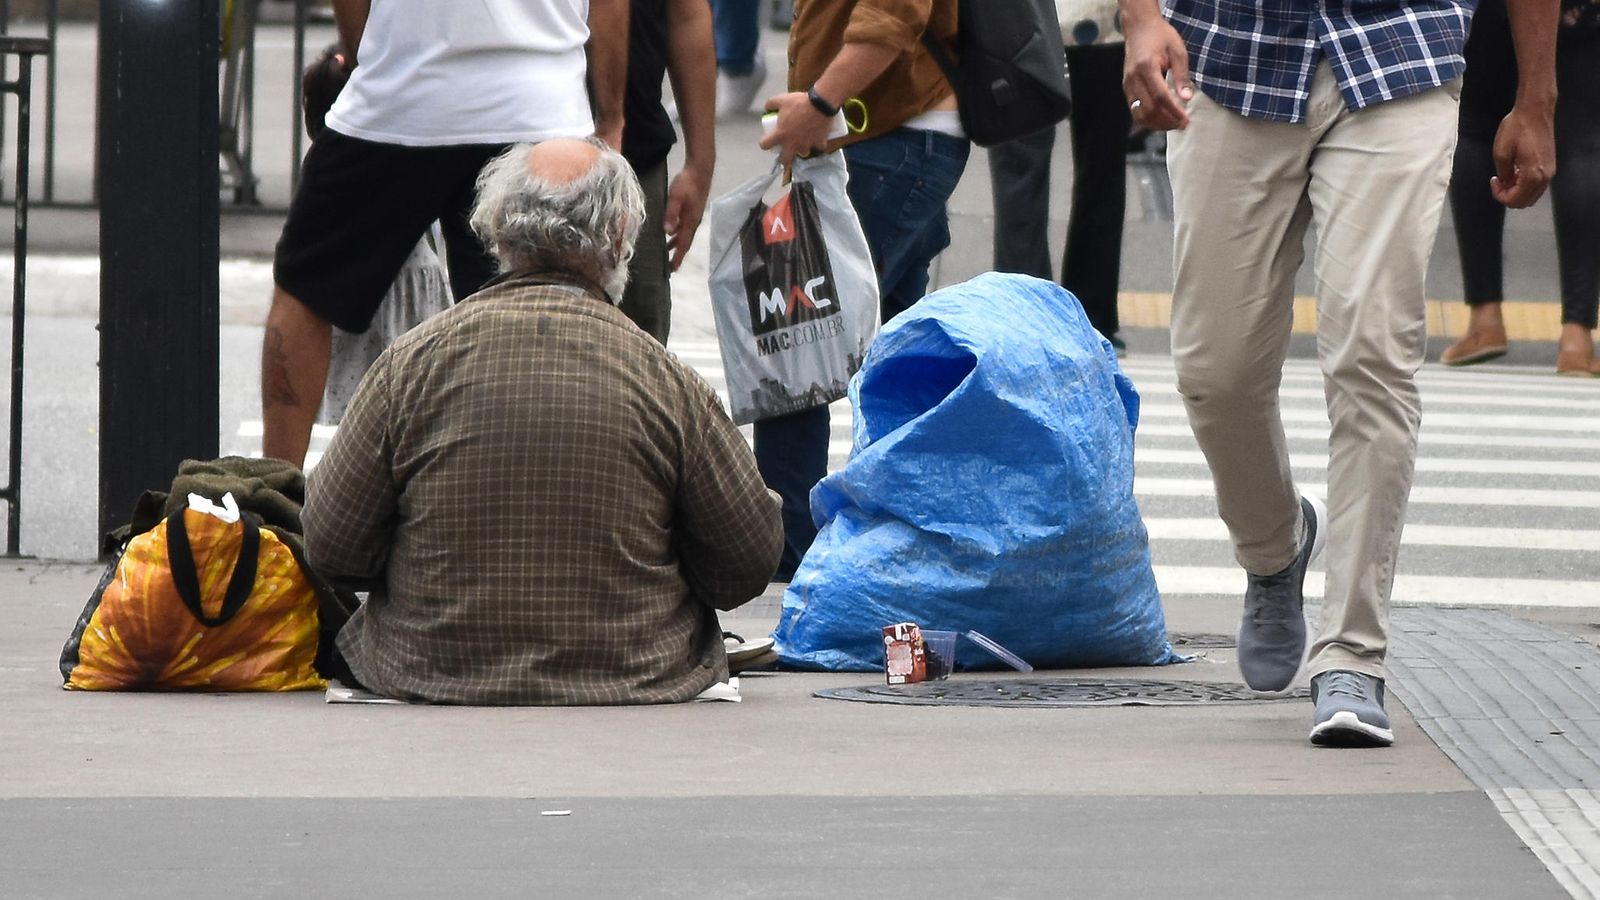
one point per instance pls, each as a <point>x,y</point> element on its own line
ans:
<point>180,559</point>
<point>941,56</point>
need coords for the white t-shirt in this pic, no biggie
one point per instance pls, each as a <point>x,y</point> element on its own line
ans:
<point>440,72</point>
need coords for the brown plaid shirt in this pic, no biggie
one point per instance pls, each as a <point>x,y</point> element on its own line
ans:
<point>551,507</point>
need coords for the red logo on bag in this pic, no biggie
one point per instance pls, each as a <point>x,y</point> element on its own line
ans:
<point>777,224</point>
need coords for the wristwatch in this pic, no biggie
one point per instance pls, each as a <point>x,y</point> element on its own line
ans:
<point>823,106</point>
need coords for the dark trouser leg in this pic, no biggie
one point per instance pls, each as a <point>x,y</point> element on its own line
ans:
<point>736,30</point>
<point>1092,265</point>
<point>1575,193</point>
<point>470,263</point>
<point>648,299</point>
<point>1479,219</point>
<point>792,456</point>
<point>1019,172</point>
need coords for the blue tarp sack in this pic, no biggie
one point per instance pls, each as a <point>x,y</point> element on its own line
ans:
<point>989,488</point>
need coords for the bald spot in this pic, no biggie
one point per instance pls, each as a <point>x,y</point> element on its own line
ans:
<point>561,160</point>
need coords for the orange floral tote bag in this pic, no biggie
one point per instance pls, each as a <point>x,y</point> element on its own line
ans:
<point>198,603</point>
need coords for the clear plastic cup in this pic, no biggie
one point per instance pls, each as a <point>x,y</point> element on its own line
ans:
<point>940,649</point>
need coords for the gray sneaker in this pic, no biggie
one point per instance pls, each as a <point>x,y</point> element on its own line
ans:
<point>1273,644</point>
<point>1349,711</point>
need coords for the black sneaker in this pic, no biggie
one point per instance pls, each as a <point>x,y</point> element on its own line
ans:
<point>1349,711</point>
<point>1273,643</point>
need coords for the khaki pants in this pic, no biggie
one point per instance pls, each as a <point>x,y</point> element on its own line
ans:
<point>1244,190</point>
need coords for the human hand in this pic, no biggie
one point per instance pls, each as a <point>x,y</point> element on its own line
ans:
<point>801,128</point>
<point>1524,156</point>
<point>1154,48</point>
<point>686,205</point>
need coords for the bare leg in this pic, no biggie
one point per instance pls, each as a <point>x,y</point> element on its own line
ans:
<point>294,371</point>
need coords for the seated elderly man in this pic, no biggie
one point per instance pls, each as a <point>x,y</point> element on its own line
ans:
<point>548,507</point>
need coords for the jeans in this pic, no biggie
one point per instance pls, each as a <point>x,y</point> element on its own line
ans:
<point>736,30</point>
<point>899,183</point>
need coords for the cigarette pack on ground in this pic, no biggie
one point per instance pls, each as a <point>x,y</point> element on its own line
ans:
<point>904,654</point>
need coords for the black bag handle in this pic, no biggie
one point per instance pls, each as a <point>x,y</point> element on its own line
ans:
<point>180,559</point>
<point>941,57</point>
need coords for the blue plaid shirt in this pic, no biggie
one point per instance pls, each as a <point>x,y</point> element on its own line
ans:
<point>1256,56</point>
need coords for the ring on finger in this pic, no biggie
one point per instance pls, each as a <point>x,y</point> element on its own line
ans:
<point>1134,106</point>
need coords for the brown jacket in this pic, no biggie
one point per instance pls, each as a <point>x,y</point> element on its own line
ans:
<point>554,508</point>
<point>913,83</point>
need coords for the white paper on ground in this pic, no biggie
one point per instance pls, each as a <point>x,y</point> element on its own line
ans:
<point>338,693</point>
<point>720,691</point>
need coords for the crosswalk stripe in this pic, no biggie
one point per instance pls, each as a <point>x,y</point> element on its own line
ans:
<point>1409,590</point>
<point>1151,486</point>
<point>1430,438</point>
<point>255,428</point>
<point>1532,395</point>
<point>1564,468</point>
<point>1429,399</point>
<point>1212,529</point>
<point>1305,371</point>
<point>1435,420</point>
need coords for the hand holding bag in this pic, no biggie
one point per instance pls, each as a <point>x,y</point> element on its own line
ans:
<point>793,290</point>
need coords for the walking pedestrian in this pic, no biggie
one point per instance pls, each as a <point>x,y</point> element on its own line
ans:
<point>1340,113</point>
<point>435,91</point>
<point>905,154</point>
<point>1487,95</point>
<point>1019,172</point>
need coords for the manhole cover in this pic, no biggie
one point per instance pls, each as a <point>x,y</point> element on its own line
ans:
<point>1053,692</point>
<point>1184,640</point>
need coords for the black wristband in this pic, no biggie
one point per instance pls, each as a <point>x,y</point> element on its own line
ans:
<point>822,105</point>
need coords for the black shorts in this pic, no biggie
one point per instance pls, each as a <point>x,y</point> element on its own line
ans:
<point>359,211</point>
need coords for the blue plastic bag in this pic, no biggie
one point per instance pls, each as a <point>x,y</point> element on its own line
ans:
<point>990,487</point>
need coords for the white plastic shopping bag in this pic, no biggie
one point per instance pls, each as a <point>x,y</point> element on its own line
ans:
<point>793,290</point>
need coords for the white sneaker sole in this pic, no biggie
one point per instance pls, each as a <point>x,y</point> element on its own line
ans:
<point>1345,729</point>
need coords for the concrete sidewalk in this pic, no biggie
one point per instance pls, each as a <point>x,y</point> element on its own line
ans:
<point>782,795</point>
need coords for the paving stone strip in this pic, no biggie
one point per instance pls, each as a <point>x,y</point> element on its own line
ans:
<point>1517,706</point>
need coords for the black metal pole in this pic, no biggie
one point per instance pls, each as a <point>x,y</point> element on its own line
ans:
<point>296,123</point>
<point>157,143</point>
<point>24,49</point>
<point>247,102</point>
<point>52,31</point>
<point>5,29</point>
<point>19,301</point>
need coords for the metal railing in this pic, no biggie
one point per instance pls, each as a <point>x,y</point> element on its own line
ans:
<point>236,106</point>
<point>25,49</point>
<point>52,27</point>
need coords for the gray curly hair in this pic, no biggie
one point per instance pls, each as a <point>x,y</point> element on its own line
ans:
<point>586,225</point>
